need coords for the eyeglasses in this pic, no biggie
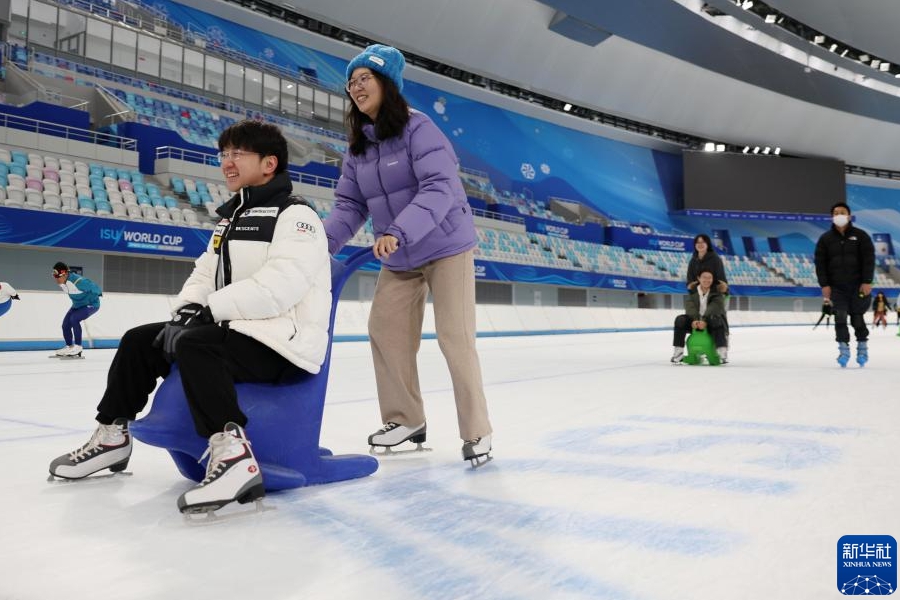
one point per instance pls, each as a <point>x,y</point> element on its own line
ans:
<point>362,80</point>
<point>58,274</point>
<point>234,155</point>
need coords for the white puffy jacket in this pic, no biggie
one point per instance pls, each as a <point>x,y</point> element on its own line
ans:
<point>267,272</point>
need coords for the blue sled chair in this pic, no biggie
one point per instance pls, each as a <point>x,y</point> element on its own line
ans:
<point>5,306</point>
<point>284,420</point>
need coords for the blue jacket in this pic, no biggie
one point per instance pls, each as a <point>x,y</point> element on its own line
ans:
<point>82,291</point>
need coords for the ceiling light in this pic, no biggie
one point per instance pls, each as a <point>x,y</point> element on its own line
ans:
<point>844,53</point>
<point>720,147</point>
<point>819,39</point>
<point>747,5</point>
<point>709,147</point>
<point>780,20</point>
<point>746,149</point>
<point>770,18</point>
<point>885,66</point>
<point>777,151</point>
<point>875,63</point>
<point>833,48</point>
<point>863,58</point>
<point>567,107</point>
<point>767,149</point>
<point>756,150</point>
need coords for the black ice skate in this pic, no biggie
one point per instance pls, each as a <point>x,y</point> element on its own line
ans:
<point>109,448</point>
<point>477,451</point>
<point>394,434</point>
<point>232,473</point>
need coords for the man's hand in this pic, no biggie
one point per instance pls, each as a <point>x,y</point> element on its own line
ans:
<point>698,324</point>
<point>826,292</point>
<point>385,246</point>
<point>191,315</point>
<point>865,289</point>
<point>722,287</point>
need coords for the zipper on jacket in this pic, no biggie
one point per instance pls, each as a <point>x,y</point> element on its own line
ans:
<point>223,271</point>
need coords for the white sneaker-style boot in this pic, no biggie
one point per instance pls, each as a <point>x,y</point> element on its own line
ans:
<point>232,473</point>
<point>109,448</point>
<point>62,351</point>
<point>72,351</point>
<point>477,451</point>
<point>393,434</point>
<point>677,354</point>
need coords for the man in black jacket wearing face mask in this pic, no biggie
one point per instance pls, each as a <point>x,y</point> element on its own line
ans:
<point>845,268</point>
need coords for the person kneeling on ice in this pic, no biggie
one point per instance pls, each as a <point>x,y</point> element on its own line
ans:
<point>85,297</point>
<point>255,309</point>
<point>704,309</point>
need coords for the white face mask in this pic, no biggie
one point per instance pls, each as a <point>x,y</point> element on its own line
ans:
<point>840,220</point>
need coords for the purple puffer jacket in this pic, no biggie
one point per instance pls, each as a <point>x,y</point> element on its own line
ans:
<point>410,186</point>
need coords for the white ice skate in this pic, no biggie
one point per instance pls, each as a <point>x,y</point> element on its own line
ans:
<point>477,451</point>
<point>394,434</point>
<point>60,352</point>
<point>69,352</point>
<point>232,473</point>
<point>109,448</point>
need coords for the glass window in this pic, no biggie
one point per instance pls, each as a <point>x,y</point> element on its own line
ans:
<point>171,62</point>
<point>72,32</point>
<point>42,22</point>
<point>272,92</point>
<point>288,97</point>
<point>253,86</point>
<point>234,81</point>
<point>193,68</point>
<point>304,101</point>
<point>215,75</point>
<point>18,26</point>
<point>336,108</point>
<point>320,104</point>
<point>124,48</point>
<point>148,55</point>
<point>98,46</point>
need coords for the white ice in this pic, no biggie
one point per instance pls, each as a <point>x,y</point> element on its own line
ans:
<point>616,476</point>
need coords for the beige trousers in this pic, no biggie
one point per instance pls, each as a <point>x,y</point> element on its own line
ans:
<point>395,331</point>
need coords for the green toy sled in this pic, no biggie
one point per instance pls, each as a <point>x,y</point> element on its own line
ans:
<point>700,344</point>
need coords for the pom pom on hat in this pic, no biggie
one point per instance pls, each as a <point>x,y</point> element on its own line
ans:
<point>386,60</point>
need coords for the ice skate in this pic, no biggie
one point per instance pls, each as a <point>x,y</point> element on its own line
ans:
<point>477,451</point>
<point>844,354</point>
<point>723,355</point>
<point>108,448</point>
<point>60,352</point>
<point>232,473</point>
<point>862,353</point>
<point>677,355</point>
<point>394,434</point>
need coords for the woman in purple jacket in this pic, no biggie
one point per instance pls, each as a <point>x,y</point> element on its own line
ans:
<point>402,171</point>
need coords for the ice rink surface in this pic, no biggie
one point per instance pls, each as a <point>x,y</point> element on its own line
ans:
<point>616,476</point>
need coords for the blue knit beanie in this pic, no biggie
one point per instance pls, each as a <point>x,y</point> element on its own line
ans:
<point>385,59</point>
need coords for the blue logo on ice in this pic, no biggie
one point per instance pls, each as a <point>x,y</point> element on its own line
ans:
<point>867,565</point>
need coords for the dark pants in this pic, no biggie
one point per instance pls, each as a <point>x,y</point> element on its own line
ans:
<point>71,324</point>
<point>846,301</point>
<point>211,360</point>
<point>715,326</point>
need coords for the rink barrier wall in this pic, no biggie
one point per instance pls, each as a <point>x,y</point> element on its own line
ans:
<point>34,322</point>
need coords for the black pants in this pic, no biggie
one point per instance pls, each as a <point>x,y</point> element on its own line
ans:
<point>715,326</point>
<point>846,301</point>
<point>211,360</point>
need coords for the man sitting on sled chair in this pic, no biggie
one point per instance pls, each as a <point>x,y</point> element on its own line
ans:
<point>704,310</point>
<point>255,309</point>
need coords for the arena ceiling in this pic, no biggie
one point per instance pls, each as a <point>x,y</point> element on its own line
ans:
<point>663,62</point>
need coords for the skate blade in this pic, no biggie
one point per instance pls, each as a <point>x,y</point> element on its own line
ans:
<point>79,356</point>
<point>56,479</point>
<point>480,461</point>
<point>210,515</point>
<point>389,450</point>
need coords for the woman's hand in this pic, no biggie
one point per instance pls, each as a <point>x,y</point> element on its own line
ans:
<point>385,246</point>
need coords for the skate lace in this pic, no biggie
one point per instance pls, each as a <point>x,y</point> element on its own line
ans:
<point>93,445</point>
<point>219,444</point>
<point>389,426</point>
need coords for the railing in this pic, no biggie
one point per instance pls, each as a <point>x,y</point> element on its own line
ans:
<point>212,160</point>
<point>64,131</point>
<point>475,172</point>
<point>487,214</point>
